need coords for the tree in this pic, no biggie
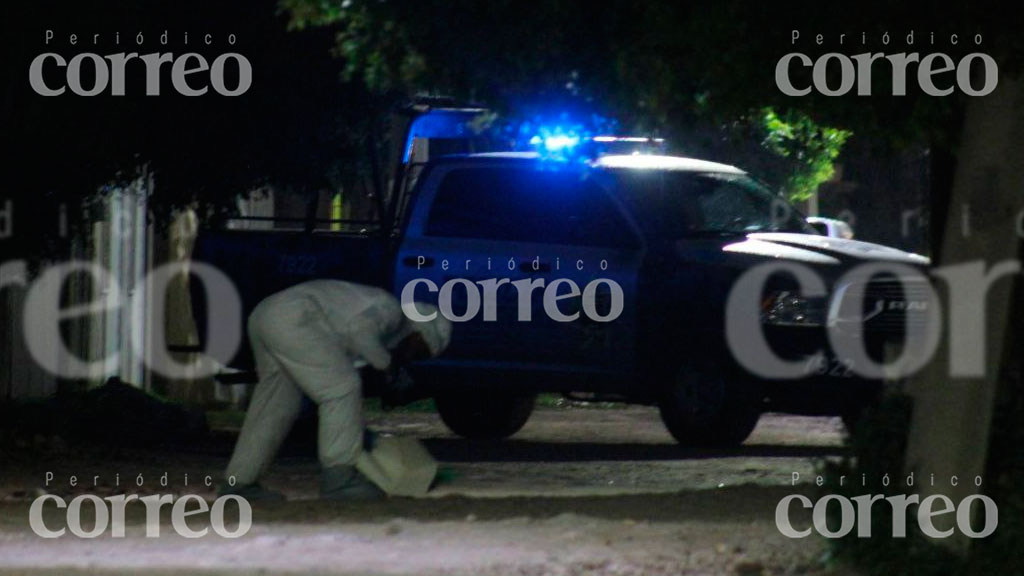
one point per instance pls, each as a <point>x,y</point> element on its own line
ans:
<point>298,126</point>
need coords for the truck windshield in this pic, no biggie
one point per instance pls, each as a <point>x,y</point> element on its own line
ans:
<point>708,204</point>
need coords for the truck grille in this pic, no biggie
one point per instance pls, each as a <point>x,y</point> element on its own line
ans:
<point>884,307</point>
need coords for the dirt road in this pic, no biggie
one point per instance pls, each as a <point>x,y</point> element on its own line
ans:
<point>576,492</point>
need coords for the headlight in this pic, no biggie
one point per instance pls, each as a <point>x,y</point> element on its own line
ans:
<point>791,309</point>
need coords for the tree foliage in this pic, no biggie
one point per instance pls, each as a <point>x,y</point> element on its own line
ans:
<point>698,73</point>
<point>805,148</point>
<point>685,72</point>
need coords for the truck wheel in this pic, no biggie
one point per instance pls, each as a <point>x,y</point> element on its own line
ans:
<point>701,410</point>
<point>485,416</point>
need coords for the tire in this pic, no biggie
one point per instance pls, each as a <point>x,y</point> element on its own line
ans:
<point>488,417</point>
<point>701,410</point>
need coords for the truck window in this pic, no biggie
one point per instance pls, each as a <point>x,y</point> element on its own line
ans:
<point>527,206</point>
<point>684,204</point>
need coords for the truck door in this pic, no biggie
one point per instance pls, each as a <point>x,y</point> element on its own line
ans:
<point>517,226</point>
<point>602,253</point>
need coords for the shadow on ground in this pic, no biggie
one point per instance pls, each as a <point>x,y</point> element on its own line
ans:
<point>461,450</point>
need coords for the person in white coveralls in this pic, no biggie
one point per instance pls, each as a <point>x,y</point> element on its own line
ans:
<point>309,339</point>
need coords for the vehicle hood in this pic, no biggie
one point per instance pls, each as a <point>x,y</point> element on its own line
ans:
<point>839,248</point>
<point>804,248</point>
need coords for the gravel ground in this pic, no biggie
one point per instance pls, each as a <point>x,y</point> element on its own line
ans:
<point>575,492</point>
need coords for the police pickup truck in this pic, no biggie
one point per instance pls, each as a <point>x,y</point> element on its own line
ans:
<point>611,278</point>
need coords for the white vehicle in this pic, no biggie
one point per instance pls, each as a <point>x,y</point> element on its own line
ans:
<point>831,227</point>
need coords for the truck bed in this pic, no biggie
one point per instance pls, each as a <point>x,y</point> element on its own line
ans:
<point>262,262</point>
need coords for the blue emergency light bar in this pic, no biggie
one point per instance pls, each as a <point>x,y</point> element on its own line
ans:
<point>561,145</point>
<point>556,143</point>
<point>633,139</point>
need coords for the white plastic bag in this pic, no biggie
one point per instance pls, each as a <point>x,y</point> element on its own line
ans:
<point>398,466</point>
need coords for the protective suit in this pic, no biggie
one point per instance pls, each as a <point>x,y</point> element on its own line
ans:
<point>308,340</point>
